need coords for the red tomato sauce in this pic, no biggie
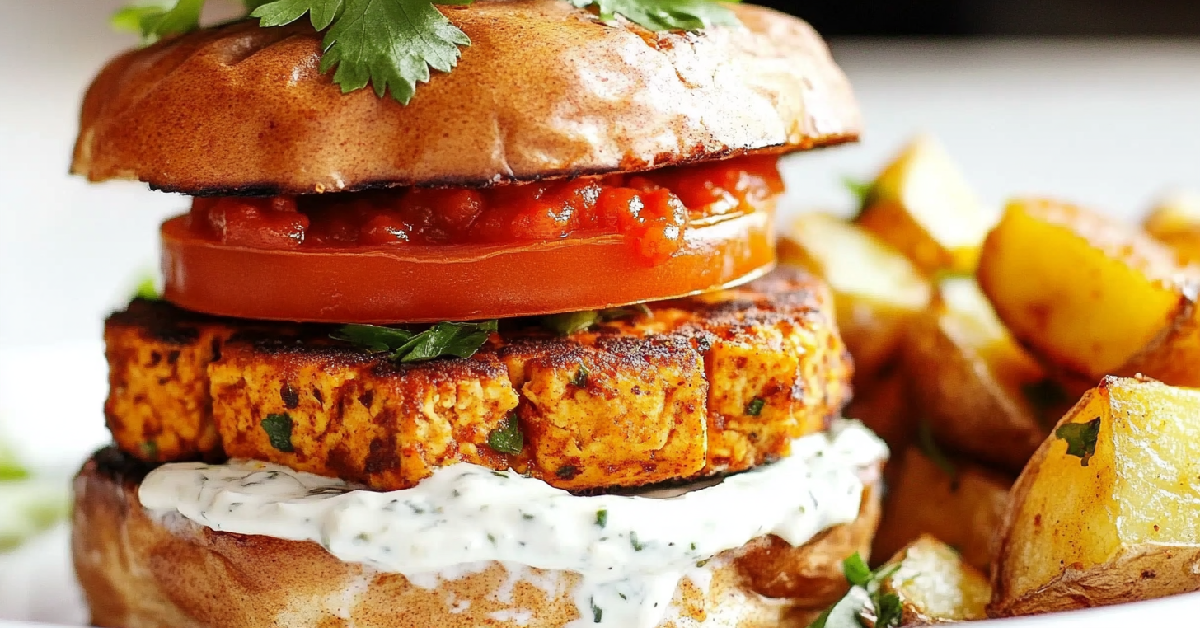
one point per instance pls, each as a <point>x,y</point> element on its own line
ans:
<point>650,209</point>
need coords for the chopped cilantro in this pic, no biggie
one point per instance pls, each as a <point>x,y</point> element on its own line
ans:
<point>1081,439</point>
<point>147,290</point>
<point>443,339</point>
<point>755,407</point>
<point>507,438</point>
<point>569,323</point>
<point>279,431</point>
<point>567,471</point>
<point>634,543</point>
<point>865,598</point>
<point>597,612</point>
<point>581,376</point>
<point>602,517</point>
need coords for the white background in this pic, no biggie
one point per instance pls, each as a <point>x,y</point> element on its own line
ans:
<point>1109,124</point>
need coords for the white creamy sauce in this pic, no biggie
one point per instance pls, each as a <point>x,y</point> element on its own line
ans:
<point>631,550</point>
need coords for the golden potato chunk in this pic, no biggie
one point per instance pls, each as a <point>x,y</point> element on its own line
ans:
<point>935,586</point>
<point>922,205</point>
<point>982,394</point>
<point>695,387</point>
<point>960,503</point>
<point>1081,290</point>
<point>876,290</point>
<point>1108,510</point>
<point>1175,221</point>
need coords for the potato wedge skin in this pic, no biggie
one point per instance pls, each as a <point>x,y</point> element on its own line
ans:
<point>883,404</point>
<point>974,384</point>
<point>935,586</point>
<point>1080,290</point>
<point>1122,528</point>
<point>964,510</point>
<point>877,291</point>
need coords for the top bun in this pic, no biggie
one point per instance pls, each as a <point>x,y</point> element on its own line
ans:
<point>545,90</point>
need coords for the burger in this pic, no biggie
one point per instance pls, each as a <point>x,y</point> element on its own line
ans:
<point>473,320</point>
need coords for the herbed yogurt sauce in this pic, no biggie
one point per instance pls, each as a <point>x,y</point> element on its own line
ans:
<point>631,550</point>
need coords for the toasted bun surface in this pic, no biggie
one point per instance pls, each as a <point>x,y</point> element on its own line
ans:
<point>139,571</point>
<point>544,90</point>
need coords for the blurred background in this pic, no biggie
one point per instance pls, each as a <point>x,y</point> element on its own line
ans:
<point>1096,101</point>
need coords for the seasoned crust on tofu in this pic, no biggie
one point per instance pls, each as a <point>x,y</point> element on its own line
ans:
<point>700,386</point>
<point>141,570</point>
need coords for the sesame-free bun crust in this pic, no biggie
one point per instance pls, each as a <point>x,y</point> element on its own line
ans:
<point>139,570</point>
<point>545,90</point>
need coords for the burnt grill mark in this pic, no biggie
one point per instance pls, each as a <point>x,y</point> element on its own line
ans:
<point>290,396</point>
<point>367,398</point>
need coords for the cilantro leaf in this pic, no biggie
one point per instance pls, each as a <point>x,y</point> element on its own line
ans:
<point>389,44</point>
<point>147,290</point>
<point>569,323</point>
<point>866,598</point>
<point>159,18</point>
<point>664,15</point>
<point>856,570</point>
<point>458,339</point>
<point>1081,439</point>
<point>507,438</point>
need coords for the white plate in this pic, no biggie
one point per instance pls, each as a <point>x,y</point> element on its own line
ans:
<point>58,431</point>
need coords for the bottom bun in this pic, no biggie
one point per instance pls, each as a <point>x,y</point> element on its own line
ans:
<point>140,570</point>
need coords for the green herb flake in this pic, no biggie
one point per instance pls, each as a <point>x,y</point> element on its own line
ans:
<point>569,323</point>
<point>856,570</point>
<point>1081,439</point>
<point>443,339</point>
<point>860,190</point>
<point>634,543</point>
<point>932,451</point>
<point>602,517</point>
<point>150,450</point>
<point>11,468</point>
<point>755,407</point>
<point>507,438</point>
<point>147,290</point>
<point>581,376</point>
<point>279,431</point>
<point>597,612</point>
<point>567,472</point>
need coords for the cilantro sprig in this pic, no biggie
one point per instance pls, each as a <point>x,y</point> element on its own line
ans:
<point>866,604</point>
<point>663,15</point>
<point>393,45</point>
<point>457,339</point>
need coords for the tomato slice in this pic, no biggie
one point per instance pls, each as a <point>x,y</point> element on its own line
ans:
<point>415,284</point>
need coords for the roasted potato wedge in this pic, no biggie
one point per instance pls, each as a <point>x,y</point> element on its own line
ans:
<point>1082,291</point>
<point>922,205</point>
<point>1175,221</point>
<point>935,586</point>
<point>982,394</point>
<point>1108,510</point>
<point>883,404</point>
<point>877,291</point>
<point>963,506</point>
